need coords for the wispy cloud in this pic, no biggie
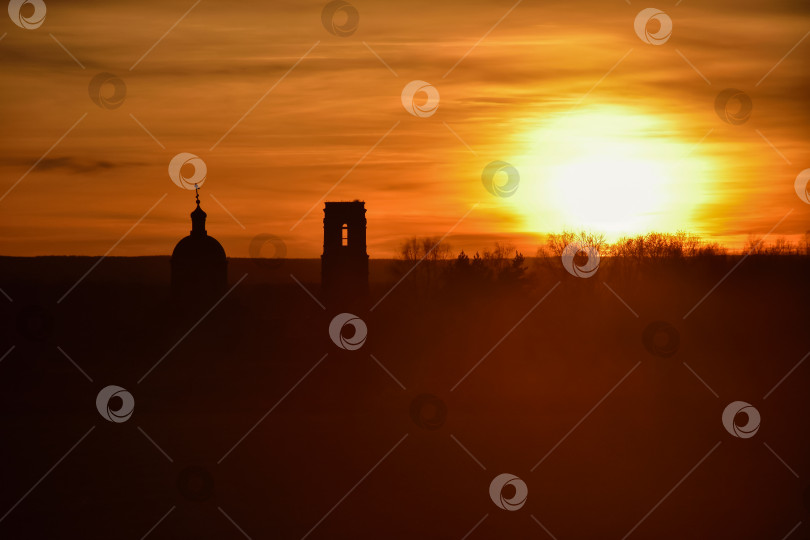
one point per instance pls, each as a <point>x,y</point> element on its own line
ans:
<point>530,70</point>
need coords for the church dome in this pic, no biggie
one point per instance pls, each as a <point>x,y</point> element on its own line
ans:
<point>198,246</point>
<point>201,248</point>
<point>199,264</point>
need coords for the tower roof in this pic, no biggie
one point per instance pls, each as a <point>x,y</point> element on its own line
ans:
<point>198,220</point>
<point>345,204</point>
<point>198,246</point>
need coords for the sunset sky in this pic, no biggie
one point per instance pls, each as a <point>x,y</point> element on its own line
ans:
<point>607,132</point>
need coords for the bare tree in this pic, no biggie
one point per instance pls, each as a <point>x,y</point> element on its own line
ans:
<point>428,248</point>
<point>556,242</point>
<point>655,246</point>
<point>754,245</point>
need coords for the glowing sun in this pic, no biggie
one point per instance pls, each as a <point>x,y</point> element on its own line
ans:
<point>613,170</point>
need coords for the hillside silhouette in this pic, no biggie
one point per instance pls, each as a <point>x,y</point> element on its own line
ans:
<point>501,353</point>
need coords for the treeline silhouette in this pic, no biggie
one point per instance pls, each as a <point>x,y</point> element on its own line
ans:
<point>432,263</point>
<point>651,245</point>
<point>658,245</point>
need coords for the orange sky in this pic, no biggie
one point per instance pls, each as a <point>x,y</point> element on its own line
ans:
<point>566,92</point>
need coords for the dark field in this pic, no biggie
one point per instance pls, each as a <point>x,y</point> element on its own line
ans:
<point>611,434</point>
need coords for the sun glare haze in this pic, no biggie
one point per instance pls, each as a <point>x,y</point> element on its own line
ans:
<point>614,170</point>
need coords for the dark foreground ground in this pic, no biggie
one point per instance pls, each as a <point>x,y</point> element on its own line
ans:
<point>254,423</point>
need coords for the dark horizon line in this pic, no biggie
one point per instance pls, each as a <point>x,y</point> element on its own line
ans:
<point>728,253</point>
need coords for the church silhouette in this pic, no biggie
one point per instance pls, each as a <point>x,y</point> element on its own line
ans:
<point>199,265</point>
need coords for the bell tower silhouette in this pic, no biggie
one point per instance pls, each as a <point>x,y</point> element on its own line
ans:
<point>344,263</point>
